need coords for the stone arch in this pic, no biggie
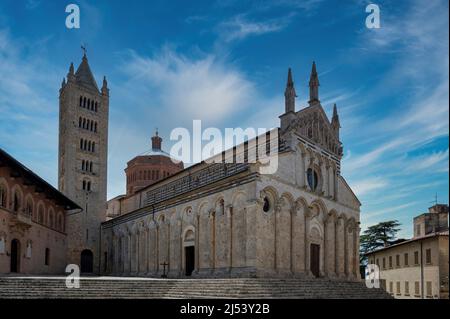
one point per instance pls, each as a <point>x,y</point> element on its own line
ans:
<point>318,209</point>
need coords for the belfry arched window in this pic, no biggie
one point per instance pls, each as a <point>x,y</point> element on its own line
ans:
<point>81,100</point>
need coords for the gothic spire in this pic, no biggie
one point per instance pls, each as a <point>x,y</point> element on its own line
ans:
<point>84,74</point>
<point>289,94</point>
<point>335,121</point>
<point>313,86</point>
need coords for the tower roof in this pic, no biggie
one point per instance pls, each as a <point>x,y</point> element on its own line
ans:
<point>84,75</point>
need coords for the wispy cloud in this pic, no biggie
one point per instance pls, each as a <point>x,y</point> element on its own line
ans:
<point>240,27</point>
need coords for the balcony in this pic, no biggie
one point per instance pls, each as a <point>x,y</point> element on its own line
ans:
<point>21,219</point>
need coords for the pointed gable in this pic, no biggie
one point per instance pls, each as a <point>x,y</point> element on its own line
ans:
<point>84,76</point>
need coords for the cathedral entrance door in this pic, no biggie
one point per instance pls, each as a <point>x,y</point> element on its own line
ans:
<point>189,253</point>
<point>87,261</point>
<point>315,260</point>
<point>15,255</point>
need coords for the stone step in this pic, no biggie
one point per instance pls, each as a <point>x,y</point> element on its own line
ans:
<point>43,287</point>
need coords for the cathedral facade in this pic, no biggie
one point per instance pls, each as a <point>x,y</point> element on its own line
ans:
<point>232,220</point>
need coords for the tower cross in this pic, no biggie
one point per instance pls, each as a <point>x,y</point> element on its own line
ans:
<point>83,47</point>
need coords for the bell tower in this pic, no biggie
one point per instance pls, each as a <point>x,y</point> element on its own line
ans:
<point>82,167</point>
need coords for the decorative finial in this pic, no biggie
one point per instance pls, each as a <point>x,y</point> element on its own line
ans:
<point>289,94</point>
<point>313,85</point>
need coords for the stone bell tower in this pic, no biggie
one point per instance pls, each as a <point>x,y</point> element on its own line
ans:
<point>83,149</point>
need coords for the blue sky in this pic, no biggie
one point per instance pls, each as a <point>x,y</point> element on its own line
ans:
<point>225,62</point>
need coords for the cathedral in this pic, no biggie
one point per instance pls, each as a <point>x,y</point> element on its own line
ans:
<point>231,220</point>
<point>217,220</point>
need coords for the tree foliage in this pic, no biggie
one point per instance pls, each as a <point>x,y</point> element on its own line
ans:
<point>377,236</point>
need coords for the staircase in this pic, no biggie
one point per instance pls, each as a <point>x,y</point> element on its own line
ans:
<point>141,288</point>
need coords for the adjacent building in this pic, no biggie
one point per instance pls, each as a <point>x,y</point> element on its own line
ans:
<point>418,268</point>
<point>33,221</point>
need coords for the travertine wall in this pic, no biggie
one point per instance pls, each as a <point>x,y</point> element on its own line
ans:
<point>233,236</point>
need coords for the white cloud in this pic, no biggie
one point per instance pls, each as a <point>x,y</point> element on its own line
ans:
<point>363,187</point>
<point>205,88</point>
<point>239,27</point>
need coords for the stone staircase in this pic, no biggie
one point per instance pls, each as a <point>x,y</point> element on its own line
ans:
<point>142,288</point>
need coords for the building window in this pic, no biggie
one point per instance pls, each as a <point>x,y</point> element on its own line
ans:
<point>3,194</point>
<point>266,204</point>
<point>417,230</point>
<point>406,288</point>
<point>313,179</point>
<point>47,257</point>
<point>429,289</point>
<point>416,258</point>
<point>390,261</point>
<point>417,289</point>
<point>29,208</point>
<point>41,215</point>
<point>17,202</point>
<point>81,101</point>
<point>428,256</point>
<point>384,263</point>
<point>391,287</point>
<point>397,260</point>
<point>398,288</point>
<point>406,259</point>
<point>378,262</point>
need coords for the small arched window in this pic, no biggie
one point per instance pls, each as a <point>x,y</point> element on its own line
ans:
<point>80,122</point>
<point>89,146</point>
<point>3,195</point>
<point>84,102</point>
<point>81,144</point>
<point>81,100</point>
<point>88,186</point>
<point>82,165</point>
<point>96,107</point>
<point>16,201</point>
<point>85,145</point>
<point>84,185</point>
<point>93,147</point>
<point>95,127</point>
<point>90,167</point>
<point>51,219</point>
<point>41,215</point>
<point>29,208</point>
<point>89,104</point>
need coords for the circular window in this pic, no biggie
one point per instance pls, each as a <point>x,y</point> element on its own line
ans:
<point>313,179</point>
<point>266,204</point>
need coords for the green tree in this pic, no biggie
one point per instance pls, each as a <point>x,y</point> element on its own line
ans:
<point>377,236</point>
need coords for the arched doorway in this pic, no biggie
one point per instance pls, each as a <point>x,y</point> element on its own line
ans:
<point>15,255</point>
<point>189,252</point>
<point>315,260</point>
<point>87,261</point>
